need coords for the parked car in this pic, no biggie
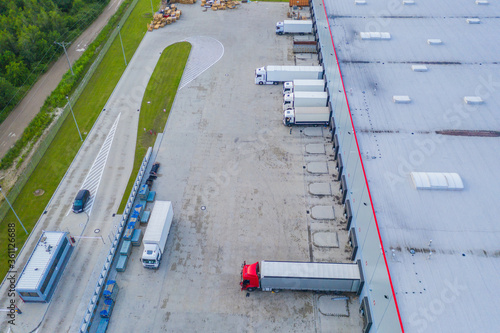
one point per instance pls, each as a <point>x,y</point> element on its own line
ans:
<point>81,199</point>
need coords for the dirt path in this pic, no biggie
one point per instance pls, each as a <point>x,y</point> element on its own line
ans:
<point>20,117</point>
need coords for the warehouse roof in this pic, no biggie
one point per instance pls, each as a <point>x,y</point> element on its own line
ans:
<point>443,246</point>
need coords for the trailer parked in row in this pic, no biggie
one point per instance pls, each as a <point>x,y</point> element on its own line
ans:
<point>294,27</point>
<point>314,276</point>
<point>277,74</point>
<point>305,99</point>
<point>303,85</point>
<point>307,116</point>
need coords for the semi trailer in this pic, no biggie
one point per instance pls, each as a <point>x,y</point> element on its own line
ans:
<point>305,99</point>
<point>303,85</point>
<point>307,116</point>
<point>277,74</point>
<point>315,276</point>
<point>294,27</point>
<point>155,237</point>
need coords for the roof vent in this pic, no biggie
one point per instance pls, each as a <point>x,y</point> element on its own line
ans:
<point>473,21</point>
<point>434,41</point>
<point>408,2</point>
<point>375,35</point>
<point>482,2</point>
<point>437,181</point>
<point>401,99</point>
<point>473,100</point>
<point>360,2</point>
<point>419,68</point>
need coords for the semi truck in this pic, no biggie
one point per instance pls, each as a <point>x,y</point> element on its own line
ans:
<point>155,237</point>
<point>294,27</point>
<point>307,116</point>
<point>303,85</point>
<point>315,276</point>
<point>305,98</point>
<point>277,74</point>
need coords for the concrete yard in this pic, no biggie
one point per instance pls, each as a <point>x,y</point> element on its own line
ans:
<point>225,149</point>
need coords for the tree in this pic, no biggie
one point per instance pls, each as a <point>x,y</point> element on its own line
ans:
<point>7,90</point>
<point>16,73</point>
<point>27,43</point>
<point>6,58</point>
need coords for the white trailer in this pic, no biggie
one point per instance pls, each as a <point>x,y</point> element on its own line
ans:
<point>155,237</point>
<point>305,99</point>
<point>303,85</point>
<point>294,27</point>
<point>307,116</point>
<point>277,74</point>
<point>316,276</point>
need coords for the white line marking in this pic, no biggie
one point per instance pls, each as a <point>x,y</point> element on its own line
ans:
<point>205,52</point>
<point>94,176</point>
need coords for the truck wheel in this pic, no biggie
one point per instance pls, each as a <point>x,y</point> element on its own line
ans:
<point>276,291</point>
<point>275,83</point>
<point>261,83</point>
<point>251,289</point>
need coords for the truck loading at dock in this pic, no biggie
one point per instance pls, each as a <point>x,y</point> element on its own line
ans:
<point>278,74</point>
<point>303,85</point>
<point>306,116</point>
<point>294,27</point>
<point>315,276</point>
<point>305,99</point>
<point>155,237</point>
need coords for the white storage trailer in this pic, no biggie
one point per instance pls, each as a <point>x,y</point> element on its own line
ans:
<point>294,27</point>
<point>155,237</point>
<point>286,275</point>
<point>277,74</point>
<point>305,99</point>
<point>306,116</point>
<point>303,85</point>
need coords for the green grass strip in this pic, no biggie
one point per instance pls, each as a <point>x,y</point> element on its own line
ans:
<point>160,92</point>
<point>60,154</point>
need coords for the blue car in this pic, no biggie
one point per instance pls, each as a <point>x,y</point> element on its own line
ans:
<point>81,199</point>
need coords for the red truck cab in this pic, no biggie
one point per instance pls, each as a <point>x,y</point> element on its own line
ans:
<point>250,276</point>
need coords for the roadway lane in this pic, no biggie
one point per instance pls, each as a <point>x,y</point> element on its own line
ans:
<point>12,127</point>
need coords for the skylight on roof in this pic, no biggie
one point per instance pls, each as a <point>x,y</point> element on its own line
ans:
<point>436,181</point>
<point>434,41</point>
<point>473,100</point>
<point>419,68</point>
<point>401,99</point>
<point>473,21</point>
<point>375,35</point>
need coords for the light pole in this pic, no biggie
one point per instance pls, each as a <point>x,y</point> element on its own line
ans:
<point>119,34</point>
<point>13,210</point>
<point>63,44</point>
<point>152,11</point>
<point>80,134</point>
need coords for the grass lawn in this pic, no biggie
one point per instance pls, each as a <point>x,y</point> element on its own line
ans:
<point>160,91</point>
<point>63,149</point>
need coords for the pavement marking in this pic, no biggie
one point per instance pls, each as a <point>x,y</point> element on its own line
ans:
<point>94,176</point>
<point>205,52</point>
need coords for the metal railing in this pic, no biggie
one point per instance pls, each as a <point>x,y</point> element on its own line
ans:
<point>92,307</point>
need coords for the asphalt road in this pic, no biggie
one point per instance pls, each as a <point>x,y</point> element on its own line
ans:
<point>224,148</point>
<point>13,126</point>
